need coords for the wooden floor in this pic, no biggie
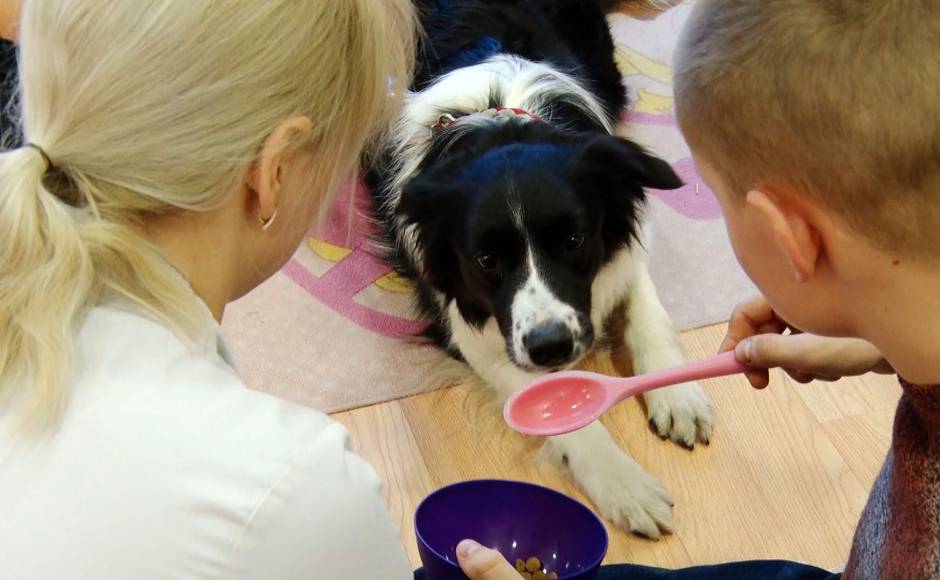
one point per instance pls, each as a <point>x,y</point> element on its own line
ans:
<point>786,475</point>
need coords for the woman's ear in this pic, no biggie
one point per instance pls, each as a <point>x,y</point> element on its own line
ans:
<point>794,227</point>
<point>266,177</point>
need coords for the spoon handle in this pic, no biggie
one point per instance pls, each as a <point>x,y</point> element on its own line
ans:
<point>716,366</point>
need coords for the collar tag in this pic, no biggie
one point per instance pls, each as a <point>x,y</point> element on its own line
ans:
<point>446,120</point>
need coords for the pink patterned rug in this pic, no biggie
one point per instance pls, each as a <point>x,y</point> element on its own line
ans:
<point>327,331</point>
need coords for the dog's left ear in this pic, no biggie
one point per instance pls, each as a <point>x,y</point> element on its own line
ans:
<point>622,161</point>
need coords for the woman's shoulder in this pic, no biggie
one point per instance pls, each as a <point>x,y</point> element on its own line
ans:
<point>130,361</point>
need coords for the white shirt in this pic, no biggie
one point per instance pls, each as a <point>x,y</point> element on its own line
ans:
<point>166,466</point>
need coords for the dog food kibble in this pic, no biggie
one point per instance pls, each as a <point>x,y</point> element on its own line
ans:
<point>531,569</point>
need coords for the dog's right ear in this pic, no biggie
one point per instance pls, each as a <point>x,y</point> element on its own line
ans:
<point>424,199</point>
<point>428,204</point>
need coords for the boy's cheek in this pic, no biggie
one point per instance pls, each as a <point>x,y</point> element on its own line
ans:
<point>745,237</point>
<point>761,258</point>
<point>749,249</point>
<point>767,267</point>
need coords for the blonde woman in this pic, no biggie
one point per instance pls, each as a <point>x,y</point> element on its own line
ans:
<point>176,152</point>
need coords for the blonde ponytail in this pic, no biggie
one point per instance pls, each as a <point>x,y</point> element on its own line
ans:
<point>159,108</point>
<point>45,281</point>
<point>55,262</point>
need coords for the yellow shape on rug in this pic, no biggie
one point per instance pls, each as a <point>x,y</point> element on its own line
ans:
<point>327,251</point>
<point>633,62</point>
<point>392,282</point>
<point>655,103</point>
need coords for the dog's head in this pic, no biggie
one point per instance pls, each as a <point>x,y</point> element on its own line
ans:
<point>515,224</point>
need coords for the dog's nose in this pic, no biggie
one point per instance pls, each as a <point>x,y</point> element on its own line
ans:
<point>549,344</point>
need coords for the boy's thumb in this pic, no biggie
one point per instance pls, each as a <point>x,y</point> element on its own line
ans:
<point>766,351</point>
<point>480,563</point>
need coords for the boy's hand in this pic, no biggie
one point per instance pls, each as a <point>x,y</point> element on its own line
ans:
<point>480,563</point>
<point>755,333</point>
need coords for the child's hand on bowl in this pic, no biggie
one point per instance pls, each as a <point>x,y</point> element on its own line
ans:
<point>480,563</point>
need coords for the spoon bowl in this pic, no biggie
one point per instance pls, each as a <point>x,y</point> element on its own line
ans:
<point>550,407</point>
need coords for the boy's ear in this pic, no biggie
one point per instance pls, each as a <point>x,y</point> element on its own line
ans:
<point>623,161</point>
<point>793,230</point>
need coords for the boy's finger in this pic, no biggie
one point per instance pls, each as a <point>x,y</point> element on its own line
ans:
<point>480,563</point>
<point>802,378</point>
<point>748,319</point>
<point>739,328</point>
<point>775,326</point>
<point>759,379</point>
<point>727,344</point>
<point>756,312</point>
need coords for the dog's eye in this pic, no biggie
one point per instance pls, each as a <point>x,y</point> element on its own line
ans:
<point>574,242</point>
<point>487,262</point>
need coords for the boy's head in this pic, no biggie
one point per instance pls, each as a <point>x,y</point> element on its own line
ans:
<point>816,123</point>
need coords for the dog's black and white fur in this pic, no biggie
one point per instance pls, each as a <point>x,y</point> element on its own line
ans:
<point>522,231</point>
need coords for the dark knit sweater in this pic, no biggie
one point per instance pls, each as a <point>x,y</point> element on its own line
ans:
<point>899,532</point>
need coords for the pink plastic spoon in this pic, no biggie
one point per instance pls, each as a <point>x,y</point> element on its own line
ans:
<point>563,402</point>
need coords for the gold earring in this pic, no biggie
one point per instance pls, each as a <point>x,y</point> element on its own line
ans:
<point>266,222</point>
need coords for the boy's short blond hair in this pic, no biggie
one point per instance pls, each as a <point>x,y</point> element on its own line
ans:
<point>836,99</point>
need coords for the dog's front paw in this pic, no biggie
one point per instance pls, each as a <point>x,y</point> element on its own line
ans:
<point>681,413</point>
<point>626,495</point>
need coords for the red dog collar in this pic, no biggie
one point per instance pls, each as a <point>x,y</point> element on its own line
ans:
<point>446,120</point>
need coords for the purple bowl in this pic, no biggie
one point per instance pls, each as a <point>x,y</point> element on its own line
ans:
<point>518,519</point>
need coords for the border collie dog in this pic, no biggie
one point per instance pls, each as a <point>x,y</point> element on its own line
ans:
<point>507,200</point>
